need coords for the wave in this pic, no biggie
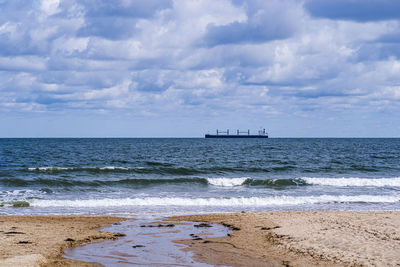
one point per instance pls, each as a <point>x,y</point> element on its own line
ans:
<point>275,182</point>
<point>356,182</point>
<point>231,202</point>
<point>49,169</point>
<point>61,169</point>
<point>221,182</point>
<point>227,182</point>
<point>157,163</point>
<point>162,168</point>
<point>94,183</point>
<point>155,168</point>
<point>9,197</point>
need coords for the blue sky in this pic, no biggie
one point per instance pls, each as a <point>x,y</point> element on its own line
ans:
<point>143,68</point>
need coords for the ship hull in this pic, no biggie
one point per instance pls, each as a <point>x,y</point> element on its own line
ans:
<point>235,136</point>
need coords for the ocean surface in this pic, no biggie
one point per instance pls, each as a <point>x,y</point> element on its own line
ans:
<point>161,177</point>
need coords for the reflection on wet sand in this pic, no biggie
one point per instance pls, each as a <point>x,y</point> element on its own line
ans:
<point>148,243</point>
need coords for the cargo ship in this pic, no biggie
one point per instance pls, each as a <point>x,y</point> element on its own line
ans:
<point>238,134</point>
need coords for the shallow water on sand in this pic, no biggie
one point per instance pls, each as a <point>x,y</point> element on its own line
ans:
<point>147,243</point>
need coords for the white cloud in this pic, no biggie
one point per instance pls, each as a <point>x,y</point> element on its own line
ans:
<point>22,63</point>
<point>50,7</point>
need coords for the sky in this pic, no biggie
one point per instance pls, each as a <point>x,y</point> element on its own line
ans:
<point>183,68</point>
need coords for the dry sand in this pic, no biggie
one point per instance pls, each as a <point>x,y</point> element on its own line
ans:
<point>40,241</point>
<point>303,238</point>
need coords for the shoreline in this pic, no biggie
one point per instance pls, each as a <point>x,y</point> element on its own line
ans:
<point>280,238</point>
<point>41,240</point>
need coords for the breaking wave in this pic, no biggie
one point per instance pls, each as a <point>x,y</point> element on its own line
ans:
<point>221,182</point>
<point>227,182</point>
<point>377,182</point>
<point>231,202</point>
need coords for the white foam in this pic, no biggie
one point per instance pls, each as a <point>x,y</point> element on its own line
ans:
<point>228,182</point>
<point>78,168</point>
<point>20,192</point>
<point>230,202</point>
<point>18,195</point>
<point>380,182</point>
<point>48,168</point>
<point>113,168</point>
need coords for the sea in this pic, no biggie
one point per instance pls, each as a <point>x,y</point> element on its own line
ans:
<point>136,177</point>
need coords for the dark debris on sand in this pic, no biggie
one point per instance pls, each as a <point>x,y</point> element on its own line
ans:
<point>202,225</point>
<point>158,225</point>
<point>24,242</point>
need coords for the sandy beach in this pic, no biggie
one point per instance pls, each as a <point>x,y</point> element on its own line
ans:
<point>295,238</point>
<point>41,240</point>
<point>302,238</point>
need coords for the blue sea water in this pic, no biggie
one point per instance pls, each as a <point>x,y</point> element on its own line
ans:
<point>161,177</point>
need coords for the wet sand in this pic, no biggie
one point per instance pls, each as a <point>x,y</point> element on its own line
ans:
<point>295,238</point>
<point>302,238</point>
<point>41,240</point>
<point>148,242</point>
